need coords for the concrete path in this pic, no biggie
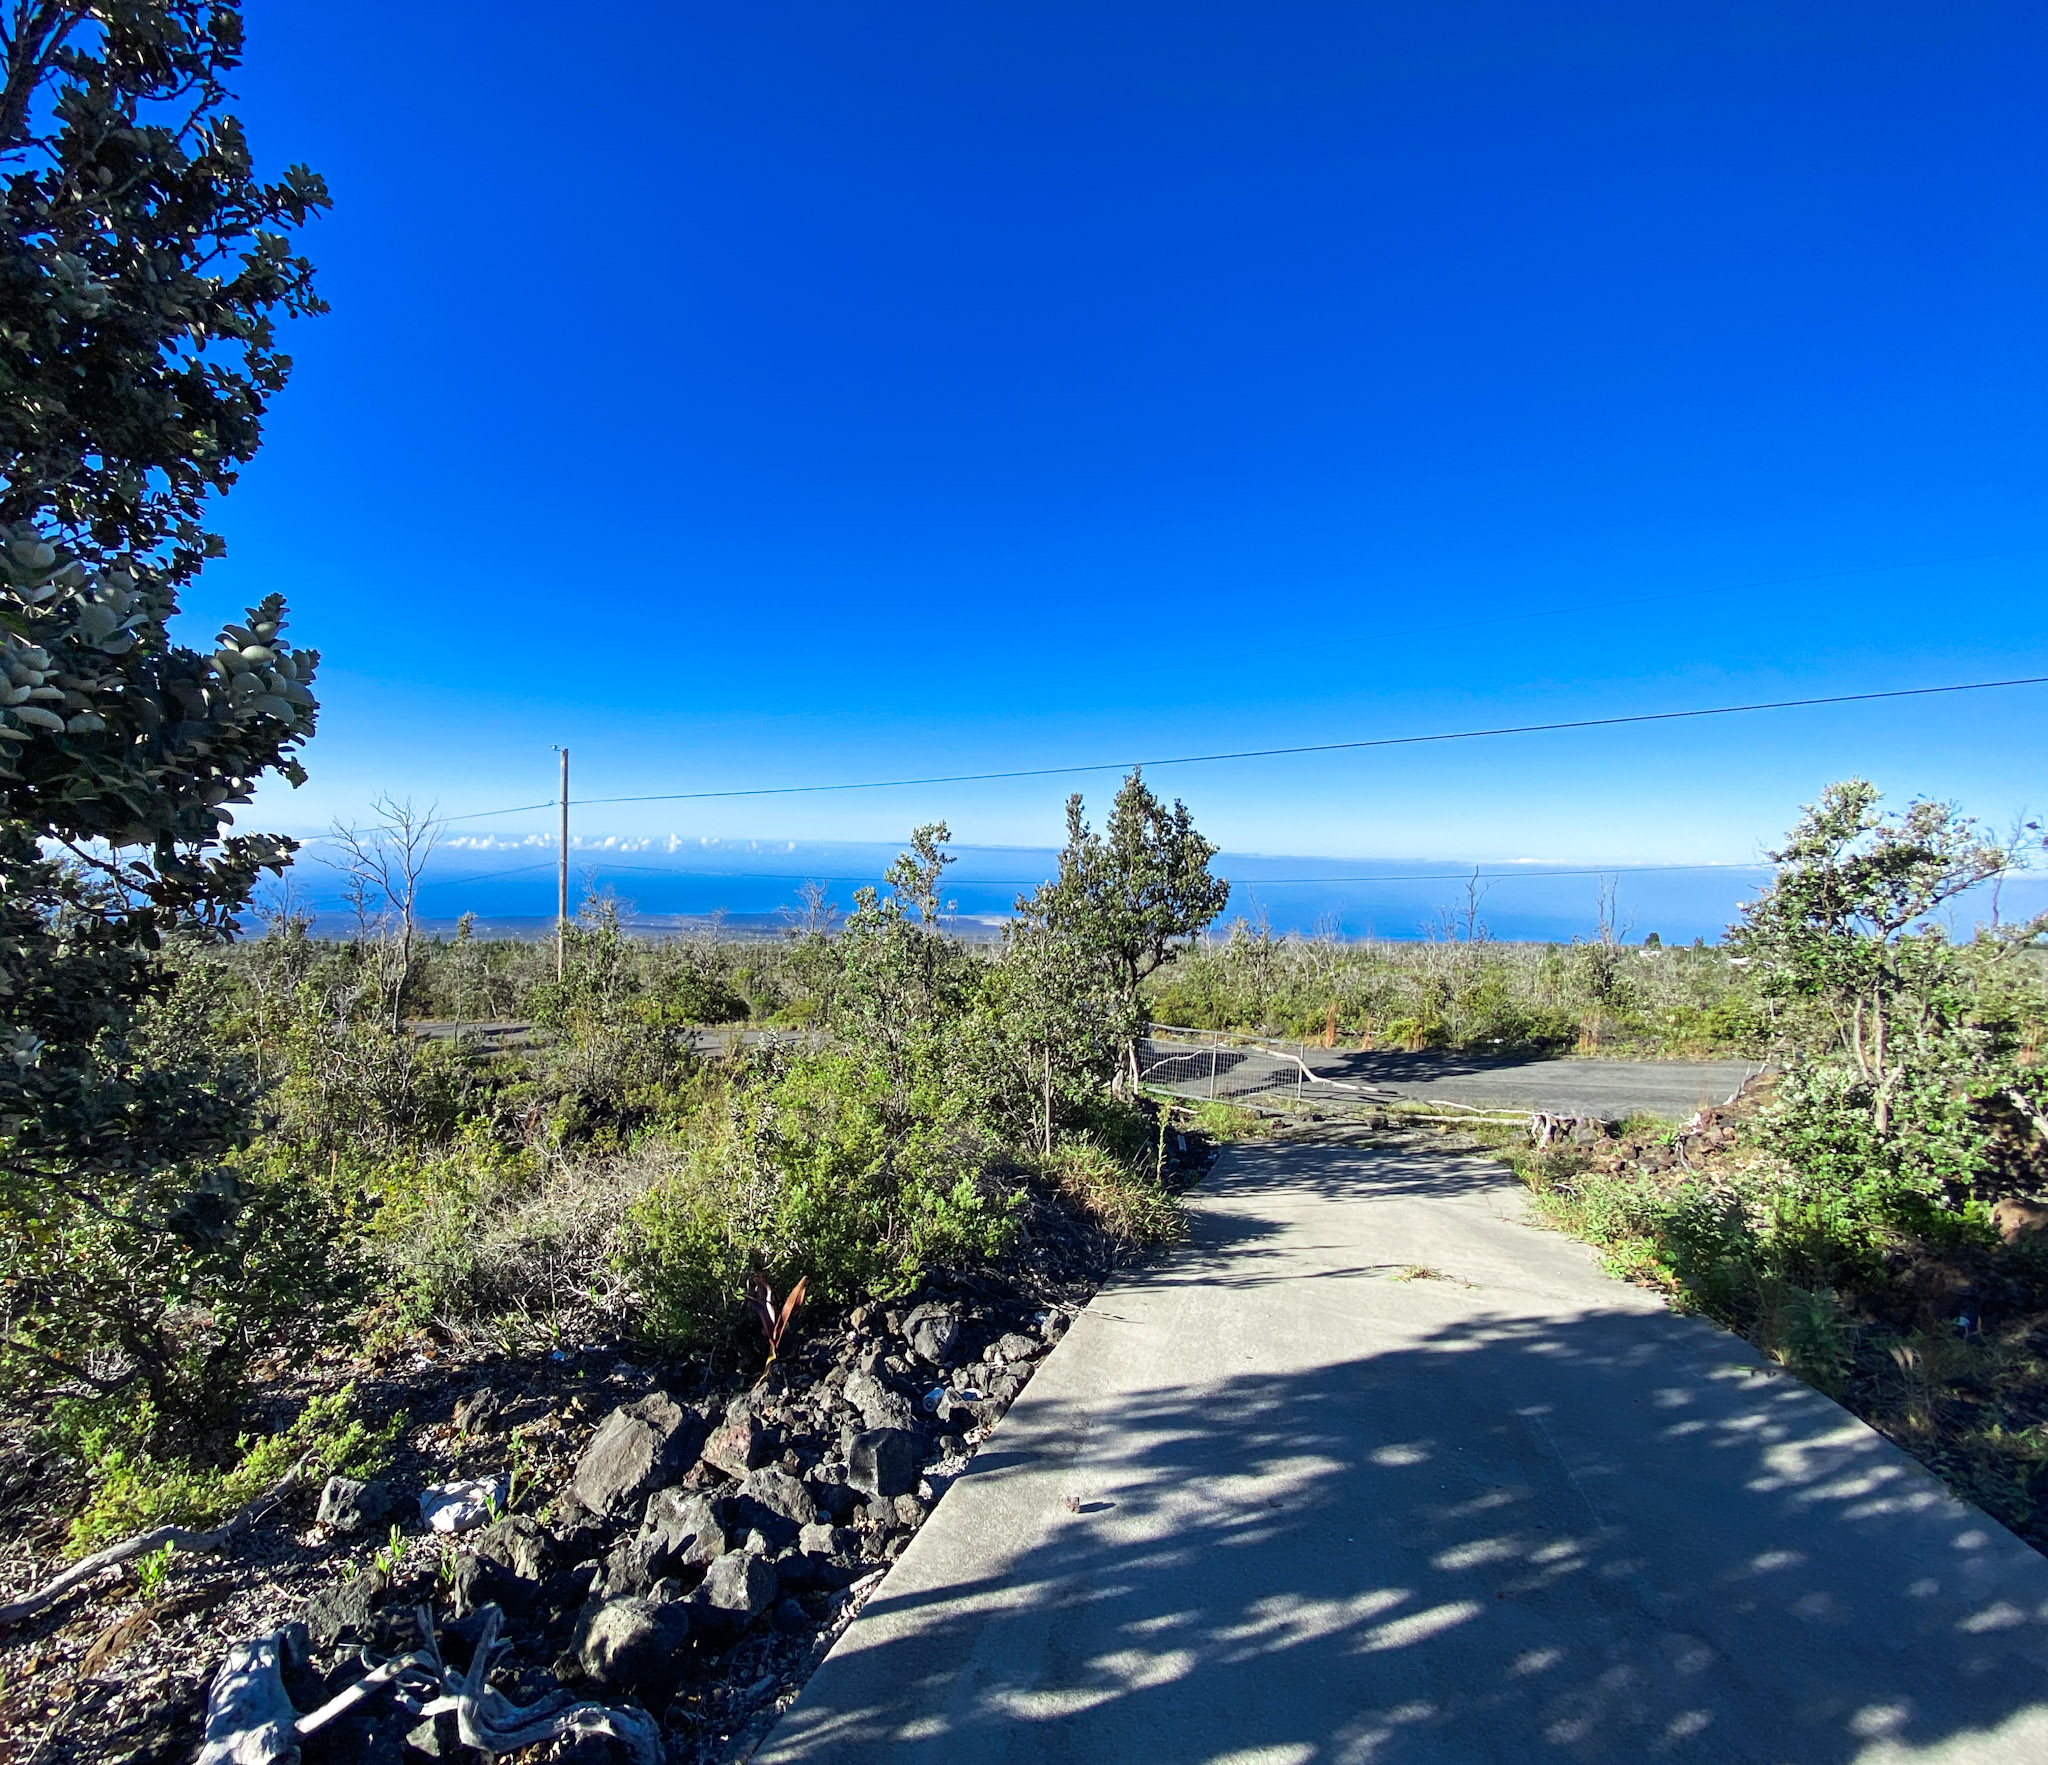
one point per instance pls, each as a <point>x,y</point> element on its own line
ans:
<point>1287,1498</point>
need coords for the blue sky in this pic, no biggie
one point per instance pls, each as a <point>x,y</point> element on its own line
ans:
<point>798,392</point>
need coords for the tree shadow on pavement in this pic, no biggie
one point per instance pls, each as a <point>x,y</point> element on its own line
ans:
<point>1511,1538</point>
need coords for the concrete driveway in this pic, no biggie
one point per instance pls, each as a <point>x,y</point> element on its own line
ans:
<point>1372,1469</point>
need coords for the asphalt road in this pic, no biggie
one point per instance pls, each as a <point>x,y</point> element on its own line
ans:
<point>1608,1088</point>
<point>1287,1497</point>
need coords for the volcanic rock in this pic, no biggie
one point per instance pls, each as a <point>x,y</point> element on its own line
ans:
<point>637,1447</point>
<point>349,1506</point>
<point>883,1461</point>
<point>932,1330</point>
<point>879,1406</point>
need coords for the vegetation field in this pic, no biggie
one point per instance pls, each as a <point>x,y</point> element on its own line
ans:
<point>1597,995</point>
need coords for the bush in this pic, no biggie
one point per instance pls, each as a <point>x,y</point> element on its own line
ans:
<point>533,1257</point>
<point>1618,1214</point>
<point>156,1305</point>
<point>134,1491</point>
<point>816,1166</point>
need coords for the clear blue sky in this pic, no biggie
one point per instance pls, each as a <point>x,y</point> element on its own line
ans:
<point>784,392</point>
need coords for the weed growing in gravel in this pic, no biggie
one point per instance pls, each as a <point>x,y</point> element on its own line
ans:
<point>152,1573</point>
<point>1220,1122</point>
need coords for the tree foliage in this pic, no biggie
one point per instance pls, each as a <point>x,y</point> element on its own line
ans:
<point>143,268</point>
<point>1844,934</point>
<point>902,980</point>
<point>1900,1065</point>
<point>1128,899</point>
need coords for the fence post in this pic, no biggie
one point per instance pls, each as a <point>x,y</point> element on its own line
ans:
<point>1212,1069</point>
<point>1300,1067</point>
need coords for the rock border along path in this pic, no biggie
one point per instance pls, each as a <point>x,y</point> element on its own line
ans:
<point>1373,1468</point>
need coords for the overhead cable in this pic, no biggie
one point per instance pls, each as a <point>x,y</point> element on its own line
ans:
<point>1384,741</point>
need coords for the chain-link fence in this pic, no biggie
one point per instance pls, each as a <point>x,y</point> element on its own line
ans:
<point>1266,1073</point>
<point>1233,1067</point>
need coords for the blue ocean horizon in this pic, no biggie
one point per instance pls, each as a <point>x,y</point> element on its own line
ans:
<point>750,888</point>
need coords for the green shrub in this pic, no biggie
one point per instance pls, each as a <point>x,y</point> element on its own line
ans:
<point>1620,1214</point>
<point>818,1166</point>
<point>160,1300</point>
<point>134,1491</point>
<point>1806,1328</point>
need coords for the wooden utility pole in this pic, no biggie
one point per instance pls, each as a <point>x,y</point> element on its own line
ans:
<point>562,884</point>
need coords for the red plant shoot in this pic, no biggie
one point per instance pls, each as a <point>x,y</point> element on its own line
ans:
<point>761,1302</point>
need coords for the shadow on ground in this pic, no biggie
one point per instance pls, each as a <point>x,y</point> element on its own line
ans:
<point>1507,1535</point>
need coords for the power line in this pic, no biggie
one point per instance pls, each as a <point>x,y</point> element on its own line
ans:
<point>444,882</point>
<point>1385,741</point>
<point>516,809</point>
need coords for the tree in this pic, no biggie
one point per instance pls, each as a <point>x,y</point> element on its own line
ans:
<point>1130,897</point>
<point>381,870</point>
<point>142,269</point>
<point>144,266</point>
<point>1898,1065</point>
<point>900,977</point>
<point>1845,929</point>
<point>815,913</point>
<point>1048,1021</point>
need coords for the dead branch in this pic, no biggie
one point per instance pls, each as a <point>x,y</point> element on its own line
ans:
<point>250,1720</point>
<point>493,1724</point>
<point>198,1543</point>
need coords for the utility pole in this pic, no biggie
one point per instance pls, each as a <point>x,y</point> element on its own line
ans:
<point>562,884</point>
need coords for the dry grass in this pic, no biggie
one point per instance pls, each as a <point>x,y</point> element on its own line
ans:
<point>533,1264</point>
<point>1127,1201</point>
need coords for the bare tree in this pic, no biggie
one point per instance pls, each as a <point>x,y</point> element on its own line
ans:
<point>381,868</point>
<point>2020,839</point>
<point>1475,927</point>
<point>813,916</point>
<point>1609,926</point>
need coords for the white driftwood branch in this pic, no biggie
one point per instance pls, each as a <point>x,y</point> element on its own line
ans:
<point>367,1686</point>
<point>249,1719</point>
<point>493,1724</point>
<point>199,1543</point>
